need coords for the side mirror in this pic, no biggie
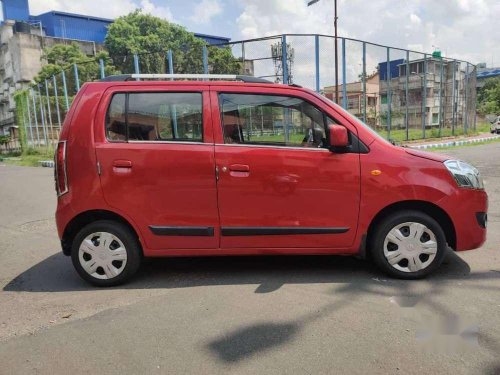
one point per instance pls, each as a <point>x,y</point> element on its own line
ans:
<point>338,136</point>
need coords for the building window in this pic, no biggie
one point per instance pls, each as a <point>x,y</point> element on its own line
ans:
<point>435,118</point>
<point>353,102</point>
<point>383,99</point>
<point>271,120</point>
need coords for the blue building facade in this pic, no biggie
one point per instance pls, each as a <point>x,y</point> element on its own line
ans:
<point>15,10</point>
<point>393,69</point>
<point>73,26</point>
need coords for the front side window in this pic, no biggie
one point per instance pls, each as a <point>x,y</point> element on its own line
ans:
<point>271,120</point>
<point>155,117</point>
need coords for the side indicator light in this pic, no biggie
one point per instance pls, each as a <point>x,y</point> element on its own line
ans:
<point>376,172</point>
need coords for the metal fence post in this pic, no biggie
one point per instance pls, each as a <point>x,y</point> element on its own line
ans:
<point>101,68</point>
<point>388,78</point>
<point>170,62</point>
<point>243,58</point>
<point>29,118</point>
<point>49,111</point>
<point>364,82</point>
<point>65,87</point>
<point>205,60</point>
<point>42,114</point>
<point>453,99</point>
<point>284,59</point>
<point>36,118</point>
<point>316,59</point>
<point>344,76</point>
<point>466,104</point>
<point>474,101</point>
<point>441,113</point>
<point>77,79</point>
<point>136,65</point>
<point>407,82</point>
<point>57,101</point>
<point>424,98</point>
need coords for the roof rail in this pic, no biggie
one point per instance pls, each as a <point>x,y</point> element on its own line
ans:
<point>165,77</point>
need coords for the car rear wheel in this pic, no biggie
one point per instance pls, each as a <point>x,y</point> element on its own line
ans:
<point>106,253</point>
<point>408,245</point>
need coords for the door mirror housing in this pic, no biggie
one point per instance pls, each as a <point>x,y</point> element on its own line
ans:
<point>339,137</point>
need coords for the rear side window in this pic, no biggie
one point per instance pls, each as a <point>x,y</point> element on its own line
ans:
<point>155,117</point>
<point>116,128</point>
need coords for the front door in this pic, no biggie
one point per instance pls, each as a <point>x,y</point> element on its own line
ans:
<point>278,185</point>
<point>156,156</point>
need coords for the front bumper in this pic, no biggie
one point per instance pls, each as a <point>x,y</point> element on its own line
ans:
<point>468,211</point>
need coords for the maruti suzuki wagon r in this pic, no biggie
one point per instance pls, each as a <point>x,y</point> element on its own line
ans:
<point>242,166</point>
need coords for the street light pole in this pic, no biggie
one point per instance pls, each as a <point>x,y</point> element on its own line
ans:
<point>336,47</point>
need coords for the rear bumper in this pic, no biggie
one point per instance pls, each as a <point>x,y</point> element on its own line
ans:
<point>469,216</point>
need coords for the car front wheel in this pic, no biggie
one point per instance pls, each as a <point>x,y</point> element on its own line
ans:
<point>106,253</point>
<point>408,245</point>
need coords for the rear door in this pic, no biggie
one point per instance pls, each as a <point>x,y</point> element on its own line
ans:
<point>279,186</point>
<point>156,155</point>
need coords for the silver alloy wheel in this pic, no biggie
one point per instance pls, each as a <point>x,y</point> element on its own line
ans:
<point>410,247</point>
<point>102,255</point>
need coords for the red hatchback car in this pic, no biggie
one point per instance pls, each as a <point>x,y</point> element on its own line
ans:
<point>153,168</point>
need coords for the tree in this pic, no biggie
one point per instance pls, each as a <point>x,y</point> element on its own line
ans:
<point>488,97</point>
<point>62,56</point>
<point>151,37</point>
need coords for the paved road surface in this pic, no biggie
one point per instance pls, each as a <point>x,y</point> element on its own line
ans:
<point>306,315</point>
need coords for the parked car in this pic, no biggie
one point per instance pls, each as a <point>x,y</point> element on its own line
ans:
<point>169,168</point>
<point>495,125</point>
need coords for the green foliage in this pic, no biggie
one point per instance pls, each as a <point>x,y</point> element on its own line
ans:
<point>62,56</point>
<point>222,61</point>
<point>4,139</point>
<point>20,99</point>
<point>151,37</point>
<point>488,97</point>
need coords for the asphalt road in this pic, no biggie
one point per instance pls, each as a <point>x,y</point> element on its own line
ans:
<point>304,315</point>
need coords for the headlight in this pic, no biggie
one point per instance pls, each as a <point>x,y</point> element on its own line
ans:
<point>464,174</point>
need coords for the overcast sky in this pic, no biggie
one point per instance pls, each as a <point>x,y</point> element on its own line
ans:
<point>464,29</point>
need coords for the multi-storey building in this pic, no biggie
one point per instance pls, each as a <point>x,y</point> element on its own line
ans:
<point>433,86</point>
<point>355,97</point>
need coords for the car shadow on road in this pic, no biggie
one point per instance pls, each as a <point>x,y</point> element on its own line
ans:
<point>351,279</point>
<point>56,273</point>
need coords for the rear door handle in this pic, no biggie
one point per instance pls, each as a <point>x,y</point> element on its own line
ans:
<point>122,167</point>
<point>239,168</point>
<point>122,164</point>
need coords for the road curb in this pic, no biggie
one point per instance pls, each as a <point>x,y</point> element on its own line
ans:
<point>47,163</point>
<point>455,143</point>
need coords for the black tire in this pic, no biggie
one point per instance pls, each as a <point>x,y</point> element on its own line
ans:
<point>386,225</point>
<point>125,235</point>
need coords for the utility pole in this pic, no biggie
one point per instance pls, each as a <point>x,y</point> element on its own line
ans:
<point>335,18</point>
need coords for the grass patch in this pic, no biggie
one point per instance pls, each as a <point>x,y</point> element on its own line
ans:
<point>399,135</point>
<point>30,158</point>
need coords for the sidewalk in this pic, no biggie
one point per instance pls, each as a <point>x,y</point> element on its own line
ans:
<point>451,141</point>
